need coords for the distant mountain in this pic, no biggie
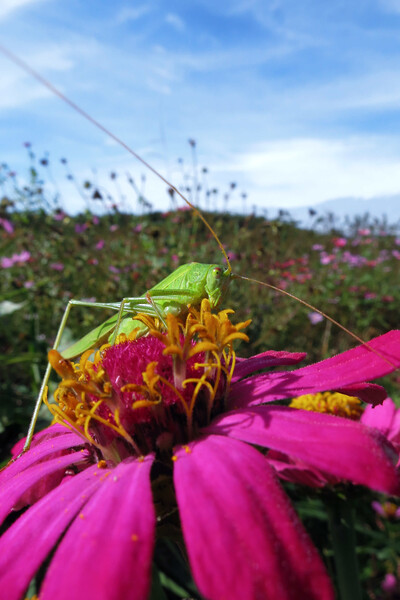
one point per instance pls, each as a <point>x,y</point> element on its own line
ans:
<point>380,207</point>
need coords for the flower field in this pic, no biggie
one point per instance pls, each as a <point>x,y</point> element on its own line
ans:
<point>48,257</point>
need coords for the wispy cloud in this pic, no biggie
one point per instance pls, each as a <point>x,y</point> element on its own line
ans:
<point>175,21</point>
<point>17,88</point>
<point>307,171</point>
<point>127,14</point>
<point>9,6</point>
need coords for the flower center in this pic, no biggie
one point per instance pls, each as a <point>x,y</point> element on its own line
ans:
<point>146,394</point>
<point>332,403</point>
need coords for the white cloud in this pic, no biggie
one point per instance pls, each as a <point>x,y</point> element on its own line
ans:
<point>132,14</point>
<point>176,21</point>
<point>18,88</point>
<point>9,6</point>
<point>306,171</point>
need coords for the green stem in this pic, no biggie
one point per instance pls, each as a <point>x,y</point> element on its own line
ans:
<point>340,518</point>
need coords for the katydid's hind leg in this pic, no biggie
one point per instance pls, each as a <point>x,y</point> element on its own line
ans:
<point>134,306</point>
<point>45,381</point>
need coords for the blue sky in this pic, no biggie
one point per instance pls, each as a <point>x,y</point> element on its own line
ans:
<point>296,101</point>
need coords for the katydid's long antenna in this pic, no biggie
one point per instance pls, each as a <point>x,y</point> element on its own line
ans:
<point>314,308</point>
<point>28,69</point>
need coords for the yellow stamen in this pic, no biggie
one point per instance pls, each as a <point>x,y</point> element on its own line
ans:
<point>332,403</point>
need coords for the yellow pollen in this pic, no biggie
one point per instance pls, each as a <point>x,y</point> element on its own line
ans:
<point>332,403</point>
<point>187,449</point>
<point>390,509</point>
<point>101,464</point>
<point>134,537</point>
<point>86,401</point>
<point>174,458</point>
<point>81,516</point>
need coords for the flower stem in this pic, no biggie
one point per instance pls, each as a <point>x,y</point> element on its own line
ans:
<point>340,518</point>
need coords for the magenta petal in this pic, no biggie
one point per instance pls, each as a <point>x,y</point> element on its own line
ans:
<point>341,447</point>
<point>372,393</point>
<point>40,436</point>
<point>14,494</point>
<point>243,538</point>
<point>381,417</point>
<point>265,360</point>
<point>25,545</point>
<point>107,552</point>
<point>43,451</point>
<point>352,367</point>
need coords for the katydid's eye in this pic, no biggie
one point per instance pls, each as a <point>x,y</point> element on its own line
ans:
<point>217,271</point>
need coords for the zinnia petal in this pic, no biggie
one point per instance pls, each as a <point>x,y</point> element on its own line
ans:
<point>112,540</point>
<point>352,367</point>
<point>265,360</point>
<point>40,452</point>
<point>243,538</point>
<point>29,540</point>
<point>39,437</point>
<point>22,489</point>
<point>341,447</point>
<point>380,417</point>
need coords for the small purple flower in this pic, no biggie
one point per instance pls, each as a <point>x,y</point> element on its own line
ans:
<point>326,259</point>
<point>317,247</point>
<point>315,318</point>
<point>81,227</point>
<point>7,225</point>
<point>100,244</point>
<point>22,257</point>
<point>57,266</point>
<point>6,262</point>
<point>114,227</point>
<point>59,215</point>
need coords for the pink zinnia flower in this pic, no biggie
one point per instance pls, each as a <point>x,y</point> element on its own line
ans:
<point>385,418</point>
<point>339,242</point>
<point>175,410</point>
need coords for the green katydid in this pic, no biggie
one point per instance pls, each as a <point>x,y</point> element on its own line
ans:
<point>185,286</point>
<point>188,284</point>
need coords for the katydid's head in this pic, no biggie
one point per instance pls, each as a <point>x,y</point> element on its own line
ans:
<point>217,283</point>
